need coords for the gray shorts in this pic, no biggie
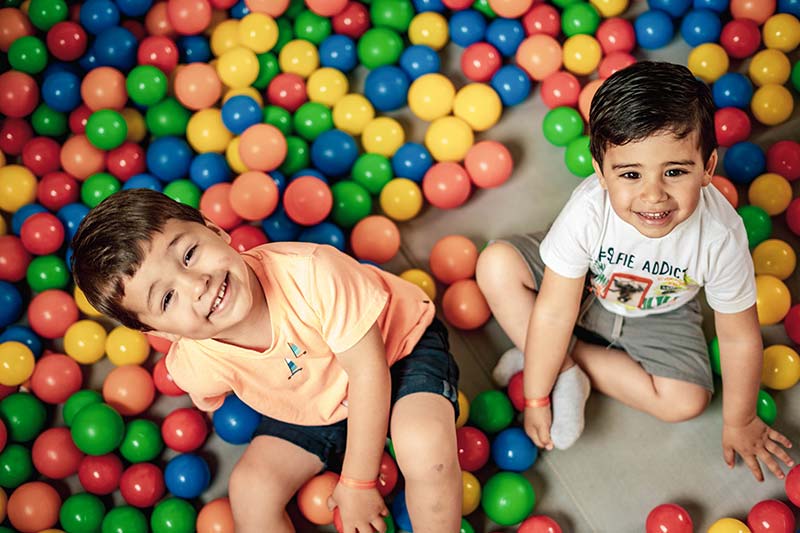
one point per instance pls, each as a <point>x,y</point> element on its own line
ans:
<point>670,345</point>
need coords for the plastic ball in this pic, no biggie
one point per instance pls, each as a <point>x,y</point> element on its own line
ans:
<point>33,507</point>
<point>327,86</point>
<point>756,10</point>
<point>463,408</point>
<point>449,138</point>
<point>55,378</point>
<point>14,261</point>
<point>431,97</point>
<point>732,90</point>
<point>512,84</point>
<point>446,185</point>
<point>669,517</point>
<point>471,493</point>
<point>421,279</point>
<point>51,312</point>
<point>16,363</point>
<point>383,135</point>
<point>453,258</point>
<point>562,125</point>
<point>580,19</point>
<point>792,485</point>
<point>24,335</point>
<point>776,258</point>
<point>782,32</point>
<point>100,474</point>
<point>701,26</point>
<point>24,417</point>
<point>97,429</point>
<point>14,23</point>
<point>489,164</point>
<point>513,450</point>
<point>82,512</point>
<point>540,55</point>
<point>473,447</point>
<point>55,455</point>
<point>540,524</point>
<point>379,46</point>
<point>783,158</point>
<point>216,205</point>
<point>766,409</point>
<point>187,476</point>
<point>508,498</point>
<point>708,62</point>
<point>773,300</point>
<point>352,113</point>
<point>375,238</point>
<point>616,35</point>
<point>464,305</point>
<point>480,61</point>
<point>16,465</point>
<point>543,18</point>
<point>757,224</point>
<point>743,162</point>
<point>18,187</point>
<point>401,199</point>
<point>772,104</point>
<point>60,91</point>
<point>216,517</point>
<point>731,125</point>
<point>467,27</point>
<point>740,38</point>
<point>728,525</point>
<point>430,29</point>
<point>654,29</point>
<point>770,516</point>
<point>781,368</point>
<point>675,8</point>
<point>142,441</point>
<point>769,67</point>
<point>42,233</point>
<point>234,421</point>
<point>184,430</point>
<point>308,200</point>
<point>793,216</point>
<point>506,35</point>
<point>771,192</point>
<point>312,498</point>
<point>142,485</point>
<point>129,389</point>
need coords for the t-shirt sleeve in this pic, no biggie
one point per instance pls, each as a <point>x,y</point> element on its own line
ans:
<point>205,392</point>
<point>731,288</point>
<point>568,246</point>
<point>347,297</point>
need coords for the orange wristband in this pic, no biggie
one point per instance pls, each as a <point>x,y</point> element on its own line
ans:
<point>359,484</point>
<point>537,402</point>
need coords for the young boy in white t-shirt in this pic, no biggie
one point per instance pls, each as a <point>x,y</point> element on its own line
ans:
<point>650,232</point>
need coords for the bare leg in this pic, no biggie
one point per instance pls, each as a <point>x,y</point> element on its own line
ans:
<point>424,438</point>
<point>264,480</point>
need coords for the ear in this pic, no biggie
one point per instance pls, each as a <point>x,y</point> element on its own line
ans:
<point>711,166</point>
<point>171,337</point>
<point>599,171</point>
<point>216,229</point>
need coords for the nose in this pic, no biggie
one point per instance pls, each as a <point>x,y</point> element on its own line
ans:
<point>197,284</point>
<point>653,190</point>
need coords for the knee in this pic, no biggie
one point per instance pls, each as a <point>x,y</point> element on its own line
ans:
<point>493,265</point>
<point>247,482</point>
<point>680,408</point>
<point>427,453</point>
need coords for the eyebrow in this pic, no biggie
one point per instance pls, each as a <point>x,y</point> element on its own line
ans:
<point>171,244</point>
<point>682,162</point>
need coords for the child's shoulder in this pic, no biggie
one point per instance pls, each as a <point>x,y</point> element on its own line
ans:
<point>717,214</point>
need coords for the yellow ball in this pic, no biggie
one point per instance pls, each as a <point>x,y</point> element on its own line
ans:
<point>233,158</point>
<point>449,139</point>
<point>207,133</point>
<point>224,37</point>
<point>463,409</point>
<point>125,346</point>
<point>3,226</point>
<point>424,281</point>
<point>775,258</point>
<point>781,368</point>
<point>258,32</point>
<point>299,57</point>
<point>769,66</point>
<point>772,104</point>
<point>2,159</point>
<point>17,187</point>
<point>773,299</point>
<point>782,32</point>
<point>352,113</point>
<point>471,493</point>
<point>478,105</point>
<point>429,28</point>
<point>728,525</point>
<point>85,341</point>
<point>383,136</point>
<point>252,92</point>
<point>610,8</point>
<point>771,192</point>
<point>431,96</point>
<point>582,54</point>
<point>83,304</point>
<point>16,363</point>
<point>327,86</point>
<point>238,67</point>
<point>401,199</point>
<point>708,62</point>
<point>137,130</point>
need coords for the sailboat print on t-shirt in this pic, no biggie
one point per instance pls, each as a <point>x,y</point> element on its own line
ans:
<point>293,368</point>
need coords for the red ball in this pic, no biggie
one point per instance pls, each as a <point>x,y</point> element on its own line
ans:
<point>136,28</point>
<point>19,94</point>
<point>67,40</point>
<point>41,155</point>
<point>792,485</point>
<point>616,35</point>
<point>793,216</point>
<point>771,516</point>
<point>489,164</point>
<point>51,312</point>
<point>55,455</point>
<point>56,190</point>
<point>457,5</point>
<point>542,18</point>
<point>215,204</point>
<point>287,91</point>
<point>732,125</point>
<point>184,430</point>
<point>388,475</point>
<point>539,524</point>
<point>14,135</point>
<point>740,38</point>
<point>516,391</point>
<point>246,236</point>
<point>480,61</point>
<point>352,21</point>
<point>100,474</point>
<point>159,344</point>
<point>78,118</point>
<point>783,158</point>
<point>55,378</point>
<point>223,4</point>
<point>126,161</point>
<point>669,518</point>
<point>42,234</point>
<point>791,322</point>
<point>164,382</point>
<point>560,88</point>
<point>614,62</point>
<point>159,51</point>
<point>473,448</point>
<point>446,185</point>
<point>142,485</point>
<point>307,200</point>
<point>14,259</point>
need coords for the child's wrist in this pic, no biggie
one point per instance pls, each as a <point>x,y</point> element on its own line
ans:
<point>359,484</point>
<point>544,401</point>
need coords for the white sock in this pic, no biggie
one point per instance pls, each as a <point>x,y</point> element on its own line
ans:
<point>569,400</point>
<point>511,362</point>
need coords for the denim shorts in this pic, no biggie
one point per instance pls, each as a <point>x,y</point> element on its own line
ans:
<point>428,368</point>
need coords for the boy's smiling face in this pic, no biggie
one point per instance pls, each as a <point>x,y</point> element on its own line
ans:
<point>191,284</point>
<point>655,184</point>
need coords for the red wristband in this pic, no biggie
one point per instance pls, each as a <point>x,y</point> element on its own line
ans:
<point>359,484</point>
<point>537,402</point>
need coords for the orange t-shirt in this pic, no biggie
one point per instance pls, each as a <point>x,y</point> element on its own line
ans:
<point>321,302</point>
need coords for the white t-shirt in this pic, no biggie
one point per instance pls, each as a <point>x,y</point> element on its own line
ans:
<point>634,275</point>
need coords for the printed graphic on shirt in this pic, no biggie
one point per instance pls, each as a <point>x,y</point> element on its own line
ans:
<point>296,352</point>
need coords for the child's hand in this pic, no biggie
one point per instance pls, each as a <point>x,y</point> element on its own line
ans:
<point>362,510</point>
<point>756,440</point>
<point>537,426</point>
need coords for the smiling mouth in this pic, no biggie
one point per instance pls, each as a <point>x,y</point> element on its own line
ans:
<point>654,216</point>
<point>223,289</point>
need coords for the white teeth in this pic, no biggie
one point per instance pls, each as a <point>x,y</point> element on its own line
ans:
<point>655,216</point>
<point>219,297</point>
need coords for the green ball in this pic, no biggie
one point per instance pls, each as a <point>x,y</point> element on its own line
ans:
<point>491,411</point>
<point>45,14</point>
<point>482,6</point>
<point>47,272</point>
<point>766,409</point>
<point>124,519</point>
<point>351,203</point>
<point>97,429</point>
<point>82,513</point>
<point>580,18</point>
<point>312,27</point>
<point>168,117</point>
<point>146,85</point>
<point>267,69</point>
<point>184,192</point>
<point>390,527</point>
<point>757,224</point>
<point>508,498</point>
<point>98,187</point>
<point>578,157</point>
<point>562,125</point>
<point>713,354</point>
<point>278,117</point>
<point>466,527</point>
<point>390,448</point>
<point>10,3</point>
<point>312,119</point>
<point>796,76</point>
<point>379,46</point>
<point>392,14</point>
<point>285,34</point>
<point>298,155</point>
<point>295,8</point>
<point>373,172</point>
<point>563,4</point>
<point>142,441</point>
<point>16,466</point>
<point>78,401</point>
<point>24,416</point>
<point>48,122</point>
<point>28,54</point>
<point>173,515</point>
<point>106,129</point>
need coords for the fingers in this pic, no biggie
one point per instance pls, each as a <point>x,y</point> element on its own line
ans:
<point>544,436</point>
<point>771,464</point>
<point>379,525</point>
<point>780,453</point>
<point>779,437</point>
<point>752,463</point>
<point>729,456</point>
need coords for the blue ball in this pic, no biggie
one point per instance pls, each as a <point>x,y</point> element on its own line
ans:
<point>505,35</point>
<point>279,227</point>
<point>24,213</point>
<point>208,169</point>
<point>62,91</point>
<point>720,6</point>
<point>116,47</point>
<point>654,29</point>
<point>169,158</point>
<point>308,172</point>
<point>701,26</point>
<point>789,6</point>
<point>68,258</point>
<point>732,90</point>
<point>235,422</point>
<point>194,49</point>
<point>339,52</point>
<point>387,88</point>
<point>239,10</point>
<point>324,233</point>
<point>134,8</point>
<point>10,304</point>
<point>674,8</point>
<point>71,216</point>
<point>421,6</point>
<point>239,113</point>
<point>99,15</point>
<point>88,60</point>
<point>412,161</point>
<point>187,475</point>
<point>60,66</point>
<point>744,162</point>
<point>279,179</point>
<point>334,151</point>
<point>25,335</point>
<point>400,511</point>
<point>513,450</point>
<point>419,60</point>
<point>512,84</point>
<point>143,181</point>
<point>467,27</point>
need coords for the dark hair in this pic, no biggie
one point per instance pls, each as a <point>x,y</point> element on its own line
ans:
<point>111,242</point>
<point>648,98</point>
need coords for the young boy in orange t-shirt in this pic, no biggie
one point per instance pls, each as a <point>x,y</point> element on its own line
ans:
<point>328,350</point>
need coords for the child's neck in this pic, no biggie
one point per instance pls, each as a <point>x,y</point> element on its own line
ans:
<point>255,332</point>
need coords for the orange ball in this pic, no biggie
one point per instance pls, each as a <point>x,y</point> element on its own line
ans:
<point>308,200</point>
<point>510,9</point>
<point>446,185</point>
<point>727,189</point>
<point>273,8</point>
<point>129,389</point>
<point>104,88</point>
<point>489,164</point>
<point>215,204</point>
<point>453,258</point>
<point>375,238</point>
<point>157,21</point>
<point>189,17</point>
<point>312,498</point>
<point>197,85</point>
<point>262,147</point>
<point>13,25</point>
<point>585,97</point>
<point>756,10</point>
<point>326,8</point>
<point>254,195</point>
<point>80,158</point>
<point>33,507</point>
<point>464,306</point>
<point>539,55</point>
<point>215,517</point>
